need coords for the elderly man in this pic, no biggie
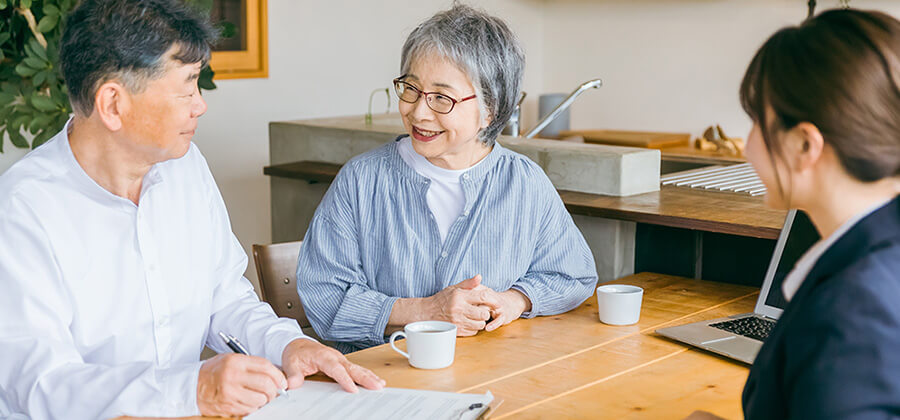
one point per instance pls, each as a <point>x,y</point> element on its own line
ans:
<point>117,260</point>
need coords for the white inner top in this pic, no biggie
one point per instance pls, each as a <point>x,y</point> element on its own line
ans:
<point>445,195</point>
<point>795,278</point>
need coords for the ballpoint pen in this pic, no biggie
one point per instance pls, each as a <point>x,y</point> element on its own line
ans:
<point>236,346</point>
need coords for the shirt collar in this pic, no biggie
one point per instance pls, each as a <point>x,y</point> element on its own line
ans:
<point>474,174</point>
<point>90,186</point>
<point>804,265</point>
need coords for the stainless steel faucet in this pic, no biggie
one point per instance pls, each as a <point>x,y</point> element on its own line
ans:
<point>512,127</point>
<point>595,84</point>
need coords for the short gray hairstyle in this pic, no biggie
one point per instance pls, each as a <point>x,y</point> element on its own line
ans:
<point>484,48</point>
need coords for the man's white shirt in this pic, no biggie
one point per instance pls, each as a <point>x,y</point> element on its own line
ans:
<point>106,305</point>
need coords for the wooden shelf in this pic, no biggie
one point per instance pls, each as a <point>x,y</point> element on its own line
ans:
<point>708,211</point>
<point>306,170</point>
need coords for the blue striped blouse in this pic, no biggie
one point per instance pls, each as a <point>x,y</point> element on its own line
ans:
<point>373,240</point>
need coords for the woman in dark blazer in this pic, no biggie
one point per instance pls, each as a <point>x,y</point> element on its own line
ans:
<point>825,100</point>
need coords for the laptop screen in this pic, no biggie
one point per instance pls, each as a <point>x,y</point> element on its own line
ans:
<point>801,237</point>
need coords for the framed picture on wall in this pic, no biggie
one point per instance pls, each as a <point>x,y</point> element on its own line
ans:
<point>243,51</point>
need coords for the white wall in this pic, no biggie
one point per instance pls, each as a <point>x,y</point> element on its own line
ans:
<point>10,155</point>
<point>666,65</point>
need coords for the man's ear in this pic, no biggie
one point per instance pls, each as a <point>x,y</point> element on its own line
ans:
<point>111,102</point>
<point>806,147</point>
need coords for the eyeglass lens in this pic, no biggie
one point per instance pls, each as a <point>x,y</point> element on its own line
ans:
<point>438,103</point>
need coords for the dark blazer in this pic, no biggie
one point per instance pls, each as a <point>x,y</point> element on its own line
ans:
<point>835,351</point>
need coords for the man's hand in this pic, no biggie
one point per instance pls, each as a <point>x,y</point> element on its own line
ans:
<point>467,304</point>
<point>236,385</point>
<point>512,304</point>
<point>303,357</point>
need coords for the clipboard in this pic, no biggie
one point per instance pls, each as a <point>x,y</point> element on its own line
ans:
<point>490,410</point>
<point>327,400</point>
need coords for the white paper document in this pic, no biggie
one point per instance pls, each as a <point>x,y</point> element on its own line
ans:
<point>326,400</point>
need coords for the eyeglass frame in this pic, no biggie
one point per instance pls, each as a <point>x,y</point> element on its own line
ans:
<point>425,94</point>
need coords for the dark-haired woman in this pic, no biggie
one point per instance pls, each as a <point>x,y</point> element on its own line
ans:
<point>825,102</point>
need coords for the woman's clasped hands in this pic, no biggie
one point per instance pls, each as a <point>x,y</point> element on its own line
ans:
<point>473,307</point>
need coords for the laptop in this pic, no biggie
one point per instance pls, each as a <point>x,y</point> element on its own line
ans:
<point>741,336</point>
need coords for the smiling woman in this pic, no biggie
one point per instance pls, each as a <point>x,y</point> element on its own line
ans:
<point>444,223</point>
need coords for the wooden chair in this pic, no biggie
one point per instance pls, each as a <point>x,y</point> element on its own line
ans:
<point>276,265</point>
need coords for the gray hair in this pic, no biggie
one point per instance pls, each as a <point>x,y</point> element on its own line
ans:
<point>484,48</point>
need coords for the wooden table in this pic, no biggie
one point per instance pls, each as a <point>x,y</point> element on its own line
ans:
<point>573,366</point>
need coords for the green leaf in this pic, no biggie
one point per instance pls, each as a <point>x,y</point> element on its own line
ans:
<point>206,78</point>
<point>50,9</point>
<point>43,103</point>
<point>8,88</point>
<point>25,4</point>
<point>35,48</point>
<point>35,63</point>
<point>43,136</point>
<point>61,120</point>
<point>16,138</point>
<point>19,121</point>
<point>40,122</point>
<point>39,78</point>
<point>4,36</point>
<point>23,70</point>
<point>3,4</point>
<point>228,29</point>
<point>4,112</point>
<point>6,98</point>
<point>47,23</point>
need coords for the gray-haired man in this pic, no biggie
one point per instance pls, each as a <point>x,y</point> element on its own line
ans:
<point>117,260</point>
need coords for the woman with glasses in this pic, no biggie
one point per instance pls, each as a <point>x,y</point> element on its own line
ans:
<point>444,223</point>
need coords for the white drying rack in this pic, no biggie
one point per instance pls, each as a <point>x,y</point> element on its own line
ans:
<point>740,178</point>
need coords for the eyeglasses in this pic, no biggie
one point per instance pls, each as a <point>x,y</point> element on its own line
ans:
<point>438,102</point>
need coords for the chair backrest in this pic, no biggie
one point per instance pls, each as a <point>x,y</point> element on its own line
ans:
<point>276,265</point>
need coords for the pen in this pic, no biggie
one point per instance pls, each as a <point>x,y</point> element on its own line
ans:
<point>236,346</point>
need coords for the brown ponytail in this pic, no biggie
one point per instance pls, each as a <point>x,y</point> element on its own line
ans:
<point>839,71</point>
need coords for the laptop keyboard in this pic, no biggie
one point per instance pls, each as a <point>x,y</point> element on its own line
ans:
<point>751,327</point>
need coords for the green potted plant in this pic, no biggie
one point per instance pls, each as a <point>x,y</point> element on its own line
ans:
<point>33,96</point>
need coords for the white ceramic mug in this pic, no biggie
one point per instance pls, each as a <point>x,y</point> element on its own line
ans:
<point>431,344</point>
<point>619,304</point>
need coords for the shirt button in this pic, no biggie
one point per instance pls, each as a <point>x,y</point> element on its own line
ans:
<point>444,254</point>
<point>465,176</point>
<point>466,213</point>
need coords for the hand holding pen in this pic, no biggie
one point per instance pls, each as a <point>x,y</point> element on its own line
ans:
<point>236,346</point>
<point>232,384</point>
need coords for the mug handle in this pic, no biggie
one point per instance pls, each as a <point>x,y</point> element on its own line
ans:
<point>394,337</point>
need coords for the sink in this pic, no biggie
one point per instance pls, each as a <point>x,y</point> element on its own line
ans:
<point>667,166</point>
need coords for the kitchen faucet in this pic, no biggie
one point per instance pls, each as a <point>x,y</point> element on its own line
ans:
<point>595,84</point>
